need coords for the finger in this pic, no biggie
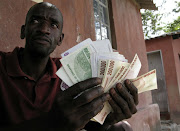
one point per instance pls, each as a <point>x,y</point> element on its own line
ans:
<point>133,90</point>
<point>91,114</point>
<point>86,117</point>
<point>82,86</point>
<point>88,96</point>
<point>92,106</point>
<point>117,114</point>
<point>127,97</point>
<point>121,103</point>
<point>115,106</point>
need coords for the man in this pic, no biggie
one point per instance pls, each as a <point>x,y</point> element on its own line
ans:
<point>30,95</point>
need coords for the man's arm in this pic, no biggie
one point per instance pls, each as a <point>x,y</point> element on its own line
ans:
<point>36,124</point>
<point>123,101</point>
<point>72,108</point>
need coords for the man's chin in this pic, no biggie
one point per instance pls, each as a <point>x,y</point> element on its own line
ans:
<point>39,52</point>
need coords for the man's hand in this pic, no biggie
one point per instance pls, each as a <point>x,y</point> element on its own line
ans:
<point>75,106</point>
<point>123,101</point>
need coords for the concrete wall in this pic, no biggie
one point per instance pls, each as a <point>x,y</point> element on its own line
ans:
<point>79,21</point>
<point>170,49</point>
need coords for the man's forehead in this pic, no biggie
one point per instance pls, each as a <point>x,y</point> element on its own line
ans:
<point>45,10</point>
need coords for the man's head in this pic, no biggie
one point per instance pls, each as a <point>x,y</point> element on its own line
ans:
<point>42,29</point>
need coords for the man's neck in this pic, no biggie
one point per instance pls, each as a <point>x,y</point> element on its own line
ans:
<point>33,66</point>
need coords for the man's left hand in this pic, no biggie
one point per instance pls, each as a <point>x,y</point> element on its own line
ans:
<point>124,99</point>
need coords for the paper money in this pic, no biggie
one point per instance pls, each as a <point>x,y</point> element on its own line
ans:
<point>118,76</point>
<point>127,71</point>
<point>102,67</point>
<point>96,59</point>
<point>61,73</point>
<point>101,116</point>
<point>133,69</point>
<point>77,64</point>
<point>99,44</point>
<point>111,69</point>
<point>146,82</point>
<point>76,47</point>
<point>96,46</point>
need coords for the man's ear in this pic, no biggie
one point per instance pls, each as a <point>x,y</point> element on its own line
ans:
<point>61,39</point>
<point>22,32</point>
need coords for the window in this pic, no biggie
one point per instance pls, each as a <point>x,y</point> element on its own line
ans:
<point>101,16</point>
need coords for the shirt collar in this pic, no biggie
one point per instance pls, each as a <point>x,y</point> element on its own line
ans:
<point>13,67</point>
<point>12,64</point>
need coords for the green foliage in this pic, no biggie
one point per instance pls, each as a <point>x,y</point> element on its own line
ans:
<point>174,26</point>
<point>153,25</point>
<point>151,22</point>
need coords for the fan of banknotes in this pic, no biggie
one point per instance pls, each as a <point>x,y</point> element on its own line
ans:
<point>97,59</point>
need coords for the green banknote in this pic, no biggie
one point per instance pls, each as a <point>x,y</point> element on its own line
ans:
<point>77,64</point>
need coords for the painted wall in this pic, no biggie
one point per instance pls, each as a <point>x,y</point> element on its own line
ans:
<point>170,49</point>
<point>130,39</point>
<point>79,21</point>
<point>176,50</point>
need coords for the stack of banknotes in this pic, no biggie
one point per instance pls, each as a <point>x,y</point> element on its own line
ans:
<point>97,59</point>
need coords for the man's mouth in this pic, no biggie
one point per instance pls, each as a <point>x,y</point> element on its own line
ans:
<point>41,40</point>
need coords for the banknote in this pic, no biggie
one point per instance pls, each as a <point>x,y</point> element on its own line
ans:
<point>133,69</point>
<point>96,57</point>
<point>61,73</point>
<point>96,46</point>
<point>101,116</point>
<point>146,82</point>
<point>111,69</point>
<point>77,64</point>
<point>118,76</point>
<point>102,67</point>
<point>102,46</point>
<point>76,47</point>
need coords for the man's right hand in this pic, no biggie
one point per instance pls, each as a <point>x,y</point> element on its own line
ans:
<point>74,107</point>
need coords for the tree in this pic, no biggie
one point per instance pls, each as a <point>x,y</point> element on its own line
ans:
<point>153,24</point>
<point>175,25</point>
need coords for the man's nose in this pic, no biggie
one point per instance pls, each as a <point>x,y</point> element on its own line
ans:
<point>44,28</point>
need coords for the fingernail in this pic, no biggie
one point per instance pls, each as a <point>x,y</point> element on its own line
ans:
<point>99,80</point>
<point>108,96</point>
<point>128,81</point>
<point>101,89</point>
<point>119,85</point>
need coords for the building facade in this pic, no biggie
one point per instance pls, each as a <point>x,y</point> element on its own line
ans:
<point>164,53</point>
<point>124,29</point>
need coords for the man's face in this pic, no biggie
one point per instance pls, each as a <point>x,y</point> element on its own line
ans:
<point>43,30</point>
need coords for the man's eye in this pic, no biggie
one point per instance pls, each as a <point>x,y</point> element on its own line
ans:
<point>35,21</point>
<point>54,25</point>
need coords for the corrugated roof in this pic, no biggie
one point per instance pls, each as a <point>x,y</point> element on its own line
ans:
<point>147,4</point>
<point>175,35</point>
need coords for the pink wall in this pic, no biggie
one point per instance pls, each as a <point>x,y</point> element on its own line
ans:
<point>130,39</point>
<point>176,50</point>
<point>169,48</point>
<point>79,20</point>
